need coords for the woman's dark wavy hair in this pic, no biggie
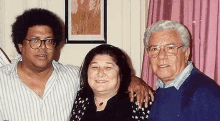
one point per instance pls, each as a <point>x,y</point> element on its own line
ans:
<point>118,57</point>
<point>33,17</point>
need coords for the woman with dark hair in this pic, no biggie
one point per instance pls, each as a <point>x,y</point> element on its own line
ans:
<point>105,77</point>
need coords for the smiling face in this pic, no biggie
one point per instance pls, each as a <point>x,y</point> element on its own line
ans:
<point>39,58</point>
<point>103,75</point>
<point>167,67</point>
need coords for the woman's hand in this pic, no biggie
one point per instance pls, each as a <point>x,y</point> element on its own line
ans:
<point>142,91</point>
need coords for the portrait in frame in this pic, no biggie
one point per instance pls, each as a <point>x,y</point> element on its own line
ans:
<point>86,21</point>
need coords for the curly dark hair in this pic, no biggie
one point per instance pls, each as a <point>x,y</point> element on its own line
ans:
<point>33,17</point>
<point>119,57</point>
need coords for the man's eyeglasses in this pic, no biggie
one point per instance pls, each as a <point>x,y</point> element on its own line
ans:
<point>170,49</point>
<point>36,43</point>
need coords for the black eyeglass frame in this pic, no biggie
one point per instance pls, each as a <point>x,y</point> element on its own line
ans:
<point>43,40</point>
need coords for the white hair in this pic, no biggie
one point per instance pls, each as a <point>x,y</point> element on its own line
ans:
<point>168,25</point>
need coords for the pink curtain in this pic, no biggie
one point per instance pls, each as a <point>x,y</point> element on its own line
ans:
<point>202,18</point>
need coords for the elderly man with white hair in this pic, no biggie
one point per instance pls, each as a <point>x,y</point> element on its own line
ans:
<point>183,92</point>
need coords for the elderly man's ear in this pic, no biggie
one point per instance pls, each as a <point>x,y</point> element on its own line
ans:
<point>187,53</point>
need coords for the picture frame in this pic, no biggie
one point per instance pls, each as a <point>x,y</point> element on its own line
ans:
<point>86,21</point>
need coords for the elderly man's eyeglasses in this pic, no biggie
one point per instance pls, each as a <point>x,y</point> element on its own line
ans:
<point>170,49</point>
<point>36,43</point>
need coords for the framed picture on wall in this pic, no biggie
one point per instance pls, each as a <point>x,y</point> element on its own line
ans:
<point>86,21</point>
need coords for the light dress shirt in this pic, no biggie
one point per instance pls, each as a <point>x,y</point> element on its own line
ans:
<point>19,103</point>
<point>3,58</point>
<point>178,81</point>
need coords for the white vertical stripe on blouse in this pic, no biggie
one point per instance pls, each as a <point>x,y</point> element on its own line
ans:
<point>19,103</point>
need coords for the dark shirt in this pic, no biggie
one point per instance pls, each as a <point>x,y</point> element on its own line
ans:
<point>198,99</point>
<point>117,109</point>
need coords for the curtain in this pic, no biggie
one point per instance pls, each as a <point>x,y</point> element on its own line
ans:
<point>202,18</point>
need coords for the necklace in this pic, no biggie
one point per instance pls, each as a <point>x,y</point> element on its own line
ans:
<point>100,104</point>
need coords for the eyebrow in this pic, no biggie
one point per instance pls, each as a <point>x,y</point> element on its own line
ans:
<point>110,63</point>
<point>35,36</point>
<point>165,44</point>
<point>92,63</point>
<point>97,62</point>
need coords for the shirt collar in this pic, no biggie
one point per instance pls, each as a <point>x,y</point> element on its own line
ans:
<point>178,81</point>
<point>15,65</point>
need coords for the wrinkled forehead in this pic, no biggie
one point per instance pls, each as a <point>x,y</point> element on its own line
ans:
<point>103,57</point>
<point>165,37</point>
